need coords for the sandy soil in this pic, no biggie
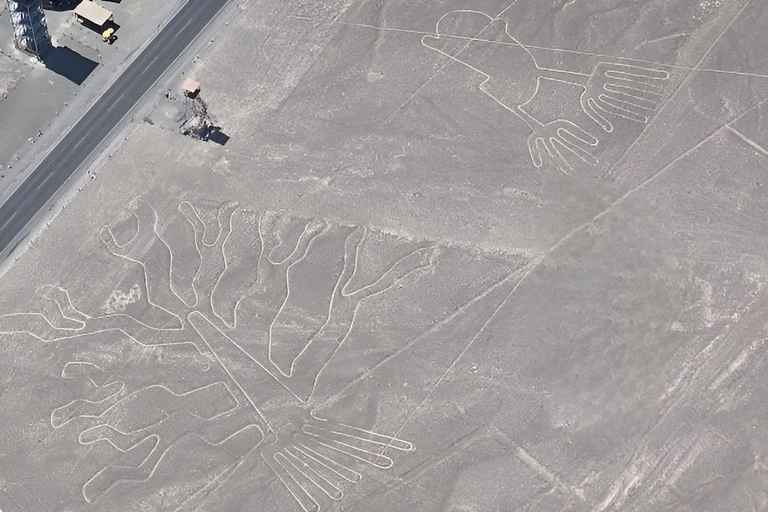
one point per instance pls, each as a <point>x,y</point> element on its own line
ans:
<point>453,257</point>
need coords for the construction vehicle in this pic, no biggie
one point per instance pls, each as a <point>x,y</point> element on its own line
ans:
<point>109,36</point>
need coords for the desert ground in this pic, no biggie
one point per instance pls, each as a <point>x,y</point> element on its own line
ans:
<point>452,257</point>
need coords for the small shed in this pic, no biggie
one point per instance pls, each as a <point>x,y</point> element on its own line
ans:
<point>91,13</point>
<point>190,88</point>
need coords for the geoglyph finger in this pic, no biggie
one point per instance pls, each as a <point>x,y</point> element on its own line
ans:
<point>621,109</point>
<point>636,72</point>
<point>578,133</point>
<point>534,148</point>
<point>570,142</point>
<point>595,112</point>
<point>557,158</point>
<point>631,95</point>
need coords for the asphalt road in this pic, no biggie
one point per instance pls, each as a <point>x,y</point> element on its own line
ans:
<point>62,162</point>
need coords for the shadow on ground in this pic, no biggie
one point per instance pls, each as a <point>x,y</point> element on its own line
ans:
<point>66,62</point>
<point>218,137</point>
<point>60,5</point>
<point>67,5</point>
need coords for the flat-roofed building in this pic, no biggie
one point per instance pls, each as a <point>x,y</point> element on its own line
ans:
<point>91,13</point>
<point>190,88</point>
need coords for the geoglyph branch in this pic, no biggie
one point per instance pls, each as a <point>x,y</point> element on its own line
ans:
<point>318,457</point>
<point>147,249</point>
<point>302,372</point>
<point>213,262</point>
<point>267,283</point>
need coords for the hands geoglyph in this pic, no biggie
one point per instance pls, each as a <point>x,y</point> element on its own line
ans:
<point>512,77</point>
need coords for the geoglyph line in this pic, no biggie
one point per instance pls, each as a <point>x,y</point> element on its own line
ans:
<point>315,465</point>
<point>560,140</point>
<point>146,215</point>
<point>181,423</point>
<point>154,459</point>
<point>533,265</point>
<point>322,453</point>
<point>531,46</point>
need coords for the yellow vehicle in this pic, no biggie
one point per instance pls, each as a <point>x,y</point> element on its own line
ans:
<point>109,35</point>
